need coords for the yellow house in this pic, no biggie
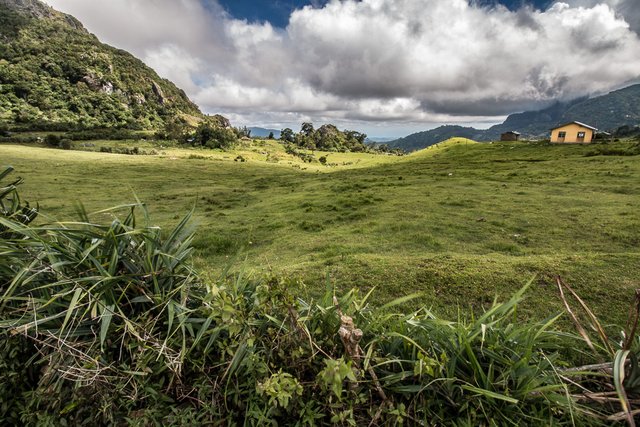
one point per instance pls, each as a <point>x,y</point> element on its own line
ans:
<point>573,133</point>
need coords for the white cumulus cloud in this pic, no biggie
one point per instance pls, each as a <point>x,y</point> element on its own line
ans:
<point>409,63</point>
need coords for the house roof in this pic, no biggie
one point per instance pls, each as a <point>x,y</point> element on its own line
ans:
<point>577,123</point>
<point>513,132</point>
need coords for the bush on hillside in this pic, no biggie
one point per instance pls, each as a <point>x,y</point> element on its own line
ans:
<point>212,136</point>
<point>65,144</point>
<point>52,140</point>
<point>4,130</point>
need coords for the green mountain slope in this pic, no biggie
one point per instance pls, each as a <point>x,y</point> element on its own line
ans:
<point>607,112</point>
<point>419,140</point>
<point>54,74</point>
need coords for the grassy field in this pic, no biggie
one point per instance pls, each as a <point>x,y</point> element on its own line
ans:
<point>460,222</point>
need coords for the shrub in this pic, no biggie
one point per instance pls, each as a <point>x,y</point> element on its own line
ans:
<point>65,144</point>
<point>52,140</point>
<point>211,136</point>
<point>107,286</point>
<point>4,130</point>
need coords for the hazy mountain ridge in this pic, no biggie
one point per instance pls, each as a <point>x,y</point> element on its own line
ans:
<point>607,112</point>
<point>54,75</point>
<point>260,132</point>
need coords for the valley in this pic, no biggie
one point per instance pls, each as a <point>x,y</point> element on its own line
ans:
<point>461,223</point>
<point>254,248</point>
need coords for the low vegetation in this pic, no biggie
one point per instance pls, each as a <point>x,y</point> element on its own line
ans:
<point>110,324</point>
<point>615,150</point>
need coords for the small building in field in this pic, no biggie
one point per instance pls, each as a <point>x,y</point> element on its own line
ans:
<point>510,136</point>
<point>573,133</point>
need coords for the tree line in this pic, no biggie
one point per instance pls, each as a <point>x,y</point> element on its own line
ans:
<point>329,138</point>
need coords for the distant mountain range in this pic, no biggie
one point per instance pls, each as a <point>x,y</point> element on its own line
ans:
<point>379,139</point>
<point>259,132</point>
<point>607,112</point>
<point>55,75</point>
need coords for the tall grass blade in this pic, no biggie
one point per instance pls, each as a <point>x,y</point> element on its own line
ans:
<point>574,318</point>
<point>6,171</point>
<point>618,381</point>
<point>490,394</point>
<point>402,300</point>
<point>592,317</point>
<point>105,322</point>
<point>72,307</point>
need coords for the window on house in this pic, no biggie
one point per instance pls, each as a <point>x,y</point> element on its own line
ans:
<point>581,134</point>
<point>562,134</point>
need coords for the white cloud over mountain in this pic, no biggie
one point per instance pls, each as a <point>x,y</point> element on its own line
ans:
<point>360,63</point>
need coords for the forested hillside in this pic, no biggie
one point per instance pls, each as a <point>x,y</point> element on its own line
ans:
<point>55,75</point>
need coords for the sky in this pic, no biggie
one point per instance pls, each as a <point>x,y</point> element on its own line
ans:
<point>383,67</point>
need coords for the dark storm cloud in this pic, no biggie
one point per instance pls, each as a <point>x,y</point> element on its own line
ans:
<point>487,107</point>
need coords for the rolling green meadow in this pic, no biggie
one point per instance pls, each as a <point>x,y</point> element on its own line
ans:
<point>461,223</point>
<point>161,267</point>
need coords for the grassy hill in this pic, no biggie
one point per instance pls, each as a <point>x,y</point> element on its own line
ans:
<point>460,222</point>
<point>420,140</point>
<point>54,75</point>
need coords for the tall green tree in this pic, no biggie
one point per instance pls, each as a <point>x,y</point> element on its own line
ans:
<point>287,135</point>
<point>307,129</point>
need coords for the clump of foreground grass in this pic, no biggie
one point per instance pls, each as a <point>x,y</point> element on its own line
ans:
<point>109,324</point>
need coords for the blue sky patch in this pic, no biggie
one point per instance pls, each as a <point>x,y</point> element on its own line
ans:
<point>277,12</point>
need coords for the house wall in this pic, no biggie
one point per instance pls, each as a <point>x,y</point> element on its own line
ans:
<point>509,137</point>
<point>572,134</point>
